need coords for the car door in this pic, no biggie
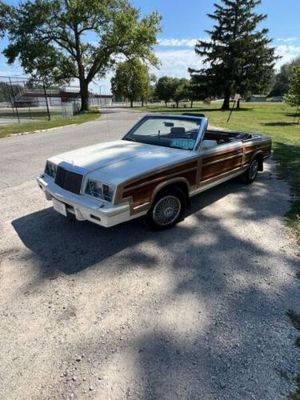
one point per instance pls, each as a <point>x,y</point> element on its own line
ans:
<point>219,161</point>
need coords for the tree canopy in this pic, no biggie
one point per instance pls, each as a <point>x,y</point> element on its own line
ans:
<point>4,12</point>
<point>165,88</point>
<point>237,57</point>
<point>281,79</point>
<point>169,88</point>
<point>131,81</point>
<point>59,40</point>
<point>181,90</point>
<point>293,95</point>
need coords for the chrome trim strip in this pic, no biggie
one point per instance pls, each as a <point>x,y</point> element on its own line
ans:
<point>136,208</point>
<point>201,132</point>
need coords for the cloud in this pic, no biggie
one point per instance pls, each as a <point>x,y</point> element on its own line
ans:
<point>176,56</point>
<point>176,62</point>
<point>287,40</point>
<point>177,42</point>
<point>287,53</point>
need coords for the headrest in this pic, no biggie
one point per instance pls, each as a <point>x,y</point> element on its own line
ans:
<point>177,131</point>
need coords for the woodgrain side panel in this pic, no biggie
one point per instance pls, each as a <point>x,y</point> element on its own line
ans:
<point>250,149</point>
<point>195,173</point>
<point>215,165</point>
<point>161,174</point>
<point>140,191</point>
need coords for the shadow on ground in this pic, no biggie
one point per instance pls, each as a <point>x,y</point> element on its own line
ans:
<point>237,288</point>
<point>69,247</point>
<point>280,123</point>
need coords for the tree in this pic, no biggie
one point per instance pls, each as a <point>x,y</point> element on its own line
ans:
<point>131,81</point>
<point>293,95</point>
<point>198,88</point>
<point>60,40</point>
<point>281,80</point>
<point>181,90</point>
<point>237,57</point>
<point>152,94</point>
<point>4,12</point>
<point>165,88</point>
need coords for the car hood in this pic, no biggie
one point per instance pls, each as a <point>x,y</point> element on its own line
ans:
<point>118,161</point>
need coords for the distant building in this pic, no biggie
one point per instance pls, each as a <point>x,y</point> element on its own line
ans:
<point>57,97</point>
<point>277,99</point>
<point>258,98</point>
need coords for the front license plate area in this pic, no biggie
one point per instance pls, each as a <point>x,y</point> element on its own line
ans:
<point>60,207</point>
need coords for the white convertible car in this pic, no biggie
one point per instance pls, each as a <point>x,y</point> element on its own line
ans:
<point>152,172</point>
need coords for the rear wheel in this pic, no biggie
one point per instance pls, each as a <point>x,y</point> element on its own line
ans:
<point>167,209</point>
<point>251,173</point>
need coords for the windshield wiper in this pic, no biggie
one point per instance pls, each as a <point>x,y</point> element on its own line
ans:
<point>130,139</point>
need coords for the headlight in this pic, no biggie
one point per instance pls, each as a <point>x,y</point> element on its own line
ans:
<point>99,190</point>
<point>51,169</point>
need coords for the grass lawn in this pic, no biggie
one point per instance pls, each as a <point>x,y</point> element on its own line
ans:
<point>45,124</point>
<point>277,120</point>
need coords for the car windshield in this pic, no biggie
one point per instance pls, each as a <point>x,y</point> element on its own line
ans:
<point>174,132</point>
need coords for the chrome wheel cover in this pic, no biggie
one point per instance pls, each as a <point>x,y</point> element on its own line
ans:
<point>166,210</point>
<point>253,169</point>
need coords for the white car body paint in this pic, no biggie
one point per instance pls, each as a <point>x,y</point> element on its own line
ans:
<point>118,161</point>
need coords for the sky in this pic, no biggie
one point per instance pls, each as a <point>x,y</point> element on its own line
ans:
<point>183,22</point>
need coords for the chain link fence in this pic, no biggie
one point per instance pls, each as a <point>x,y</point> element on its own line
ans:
<point>25,100</point>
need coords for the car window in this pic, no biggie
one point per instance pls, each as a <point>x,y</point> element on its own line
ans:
<point>169,132</point>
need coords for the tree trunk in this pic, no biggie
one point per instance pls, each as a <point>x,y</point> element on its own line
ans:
<point>226,102</point>
<point>166,103</point>
<point>131,103</point>
<point>142,102</point>
<point>192,102</point>
<point>238,104</point>
<point>177,104</point>
<point>84,95</point>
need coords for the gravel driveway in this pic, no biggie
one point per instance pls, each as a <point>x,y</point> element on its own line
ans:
<point>196,312</point>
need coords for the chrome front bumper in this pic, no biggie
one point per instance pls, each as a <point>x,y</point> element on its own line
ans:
<point>85,208</point>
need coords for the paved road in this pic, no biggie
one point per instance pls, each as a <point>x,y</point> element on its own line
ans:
<point>23,157</point>
<point>197,312</point>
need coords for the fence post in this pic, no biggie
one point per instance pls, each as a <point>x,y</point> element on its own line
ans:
<point>46,98</point>
<point>13,97</point>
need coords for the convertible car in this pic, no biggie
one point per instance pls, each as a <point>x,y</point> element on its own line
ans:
<point>152,172</point>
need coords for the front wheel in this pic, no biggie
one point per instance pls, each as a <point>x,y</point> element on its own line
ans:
<point>251,173</point>
<point>167,209</point>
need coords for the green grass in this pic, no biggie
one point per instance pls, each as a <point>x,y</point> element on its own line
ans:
<point>45,124</point>
<point>277,120</point>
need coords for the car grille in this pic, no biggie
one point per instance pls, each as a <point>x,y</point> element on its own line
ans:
<point>68,180</point>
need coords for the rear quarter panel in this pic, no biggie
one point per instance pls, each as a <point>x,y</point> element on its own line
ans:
<point>261,145</point>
